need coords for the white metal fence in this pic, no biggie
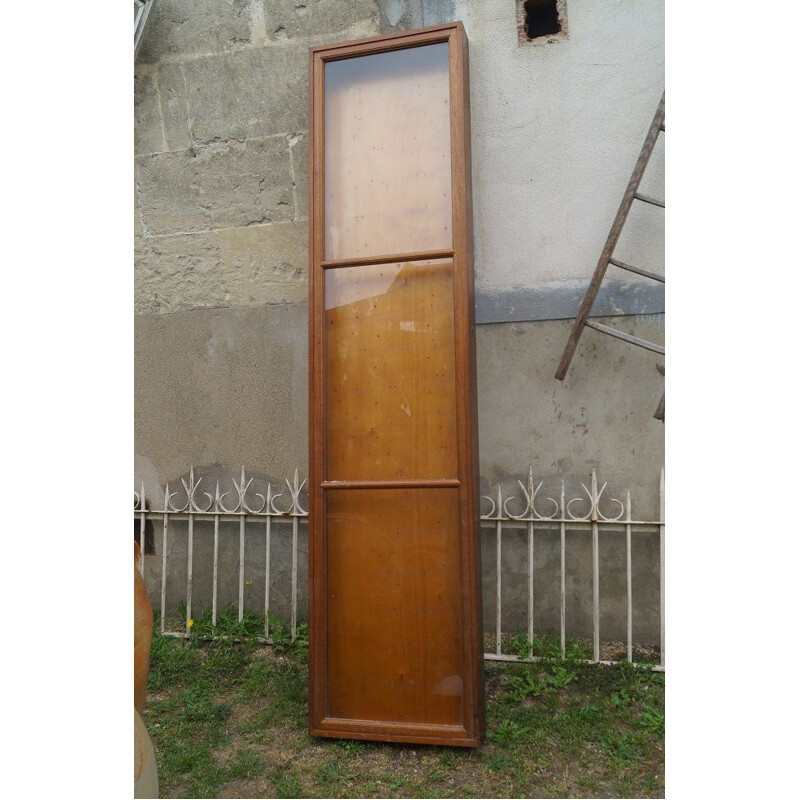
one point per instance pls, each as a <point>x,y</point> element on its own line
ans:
<point>242,509</point>
<point>564,518</point>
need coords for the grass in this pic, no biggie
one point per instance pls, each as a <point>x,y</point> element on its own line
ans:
<point>229,719</point>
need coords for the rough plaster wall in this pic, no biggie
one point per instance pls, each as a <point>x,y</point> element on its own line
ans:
<point>235,392</point>
<point>556,130</point>
<point>220,222</point>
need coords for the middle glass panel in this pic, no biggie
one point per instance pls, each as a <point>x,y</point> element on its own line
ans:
<point>390,373</point>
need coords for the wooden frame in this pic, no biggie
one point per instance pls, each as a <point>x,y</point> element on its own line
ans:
<point>464,726</point>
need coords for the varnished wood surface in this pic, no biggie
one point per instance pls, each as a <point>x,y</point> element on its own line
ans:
<point>394,611</point>
<point>391,393</point>
<point>420,255</point>
<point>430,483</point>
<point>364,551</point>
<point>466,370</point>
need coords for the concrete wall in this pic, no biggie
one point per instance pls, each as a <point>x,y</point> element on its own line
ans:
<point>221,169</point>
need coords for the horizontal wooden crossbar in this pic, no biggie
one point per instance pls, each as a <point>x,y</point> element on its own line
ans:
<point>626,337</point>
<point>637,270</point>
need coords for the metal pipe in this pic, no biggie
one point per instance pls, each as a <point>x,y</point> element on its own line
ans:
<point>534,659</point>
<point>499,608</point>
<point>510,522</point>
<point>661,570</point>
<point>563,609</point>
<point>164,566</point>
<point>241,569</point>
<point>142,506</point>
<point>190,548</point>
<point>216,570</point>
<point>629,573</point>
<point>530,581</point>
<point>268,536</point>
<point>596,590</point>
<point>294,578</point>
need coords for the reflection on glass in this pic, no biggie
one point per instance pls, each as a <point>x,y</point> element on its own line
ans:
<point>390,373</point>
<point>387,153</point>
<point>393,554</point>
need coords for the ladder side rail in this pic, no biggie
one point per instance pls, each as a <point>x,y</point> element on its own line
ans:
<point>611,241</point>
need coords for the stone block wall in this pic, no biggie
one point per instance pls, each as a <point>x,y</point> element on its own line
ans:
<point>221,161</point>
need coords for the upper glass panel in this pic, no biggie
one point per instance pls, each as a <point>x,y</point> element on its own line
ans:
<point>387,153</point>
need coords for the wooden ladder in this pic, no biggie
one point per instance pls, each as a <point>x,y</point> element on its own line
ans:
<point>607,257</point>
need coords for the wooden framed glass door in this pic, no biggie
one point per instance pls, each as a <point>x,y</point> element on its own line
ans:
<point>394,556</point>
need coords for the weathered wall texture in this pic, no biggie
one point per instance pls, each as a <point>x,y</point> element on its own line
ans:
<point>221,169</point>
<point>221,149</point>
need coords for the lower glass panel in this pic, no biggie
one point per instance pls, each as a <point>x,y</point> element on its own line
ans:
<point>395,632</point>
<point>390,372</point>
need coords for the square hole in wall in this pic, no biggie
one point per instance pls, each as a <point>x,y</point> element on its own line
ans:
<point>541,20</point>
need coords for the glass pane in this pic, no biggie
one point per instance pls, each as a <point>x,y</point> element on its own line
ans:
<point>394,614</point>
<point>387,153</point>
<point>390,382</point>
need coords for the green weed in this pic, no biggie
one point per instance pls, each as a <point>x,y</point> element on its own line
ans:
<point>528,684</point>
<point>652,720</point>
<point>281,636</point>
<point>228,624</point>
<point>497,762</point>
<point>509,733</point>
<point>620,698</point>
<point>548,647</point>
<point>621,747</point>
<point>521,646</point>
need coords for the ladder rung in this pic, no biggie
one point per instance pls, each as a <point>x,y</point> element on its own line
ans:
<point>637,270</point>
<point>626,337</point>
<point>645,199</point>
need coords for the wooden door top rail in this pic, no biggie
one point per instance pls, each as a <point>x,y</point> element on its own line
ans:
<point>391,41</point>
